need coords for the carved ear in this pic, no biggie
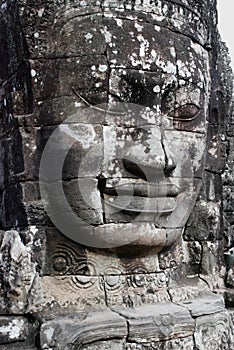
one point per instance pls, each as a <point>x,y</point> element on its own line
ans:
<point>215,200</point>
<point>220,107</point>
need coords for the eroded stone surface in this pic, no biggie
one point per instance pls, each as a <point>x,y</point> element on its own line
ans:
<point>158,322</point>
<point>81,329</point>
<point>20,280</point>
<point>106,345</point>
<point>143,90</point>
<point>212,331</point>
<point>13,329</point>
<point>181,343</point>
<point>207,305</point>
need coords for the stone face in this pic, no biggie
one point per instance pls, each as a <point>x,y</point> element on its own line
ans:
<point>155,149</point>
<point>170,143</point>
<point>117,113</point>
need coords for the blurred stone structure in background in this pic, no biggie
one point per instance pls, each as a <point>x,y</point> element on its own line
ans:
<point>172,286</point>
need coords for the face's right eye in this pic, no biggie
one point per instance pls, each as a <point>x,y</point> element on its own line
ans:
<point>185,113</point>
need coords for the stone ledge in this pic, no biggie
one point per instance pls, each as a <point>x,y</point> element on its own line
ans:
<point>158,322</point>
<point>146,323</point>
<point>206,305</point>
<point>63,333</point>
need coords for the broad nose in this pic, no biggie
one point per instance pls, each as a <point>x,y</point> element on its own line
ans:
<point>151,160</point>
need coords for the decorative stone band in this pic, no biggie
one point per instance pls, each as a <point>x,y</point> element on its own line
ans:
<point>173,14</point>
<point>143,326</point>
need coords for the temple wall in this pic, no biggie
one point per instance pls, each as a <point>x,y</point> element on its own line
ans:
<point>60,294</point>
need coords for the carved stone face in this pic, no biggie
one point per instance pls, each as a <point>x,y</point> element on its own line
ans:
<point>154,86</point>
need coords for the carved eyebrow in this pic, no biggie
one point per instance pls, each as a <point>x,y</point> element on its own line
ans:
<point>95,107</point>
<point>62,20</point>
<point>172,91</point>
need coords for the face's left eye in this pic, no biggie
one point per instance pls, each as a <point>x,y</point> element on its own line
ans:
<point>185,113</point>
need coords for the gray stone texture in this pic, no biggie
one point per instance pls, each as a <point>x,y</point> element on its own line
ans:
<point>148,164</point>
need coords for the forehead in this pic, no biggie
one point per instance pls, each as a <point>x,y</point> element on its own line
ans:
<point>108,57</point>
<point>131,43</point>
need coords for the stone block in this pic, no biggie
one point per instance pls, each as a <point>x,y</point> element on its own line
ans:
<point>81,329</point>
<point>212,187</point>
<point>70,37</point>
<point>213,268</point>
<point>106,345</point>
<point>158,322</point>
<point>13,329</point>
<point>180,343</point>
<point>216,150</point>
<point>80,197</point>
<point>136,290</point>
<point>20,290</point>
<point>231,341</point>
<point>117,261</point>
<point>12,159</point>
<point>73,149</point>
<point>188,289</point>
<point>68,109</point>
<point>11,44</point>
<point>80,292</point>
<point>13,212</point>
<point>182,258</point>
<point>209,304</point>
<point>86,76</point>
<point>228,198</point>
<point>45,40</point>
<point>134,44</point>
<point>135,97</point>
<point>212,331</point>
<point>206,215</point>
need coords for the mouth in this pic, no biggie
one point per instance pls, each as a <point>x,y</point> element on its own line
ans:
<point>138,196</point>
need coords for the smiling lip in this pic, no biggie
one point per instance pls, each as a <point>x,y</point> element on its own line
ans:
<point>142,197</point>
<point>149,190</point>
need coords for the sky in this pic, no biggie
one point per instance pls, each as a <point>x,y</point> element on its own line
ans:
<point>226,25</point>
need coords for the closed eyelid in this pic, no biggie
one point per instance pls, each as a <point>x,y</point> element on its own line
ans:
<point>185,112</point>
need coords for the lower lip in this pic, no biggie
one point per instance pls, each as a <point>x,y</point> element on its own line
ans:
<point>135,204</point>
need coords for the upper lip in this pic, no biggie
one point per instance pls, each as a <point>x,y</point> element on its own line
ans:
<point>135,187</point>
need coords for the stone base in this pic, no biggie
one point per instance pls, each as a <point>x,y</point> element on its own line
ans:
<point>201,323</point>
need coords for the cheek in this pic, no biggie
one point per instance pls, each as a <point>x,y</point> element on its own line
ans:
<point>188,152</point>
<point>198,151</point>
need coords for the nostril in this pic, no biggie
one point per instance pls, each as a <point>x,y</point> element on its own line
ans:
<point>169,166</point>
<point>150,173</point>
<point>134,168</point>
